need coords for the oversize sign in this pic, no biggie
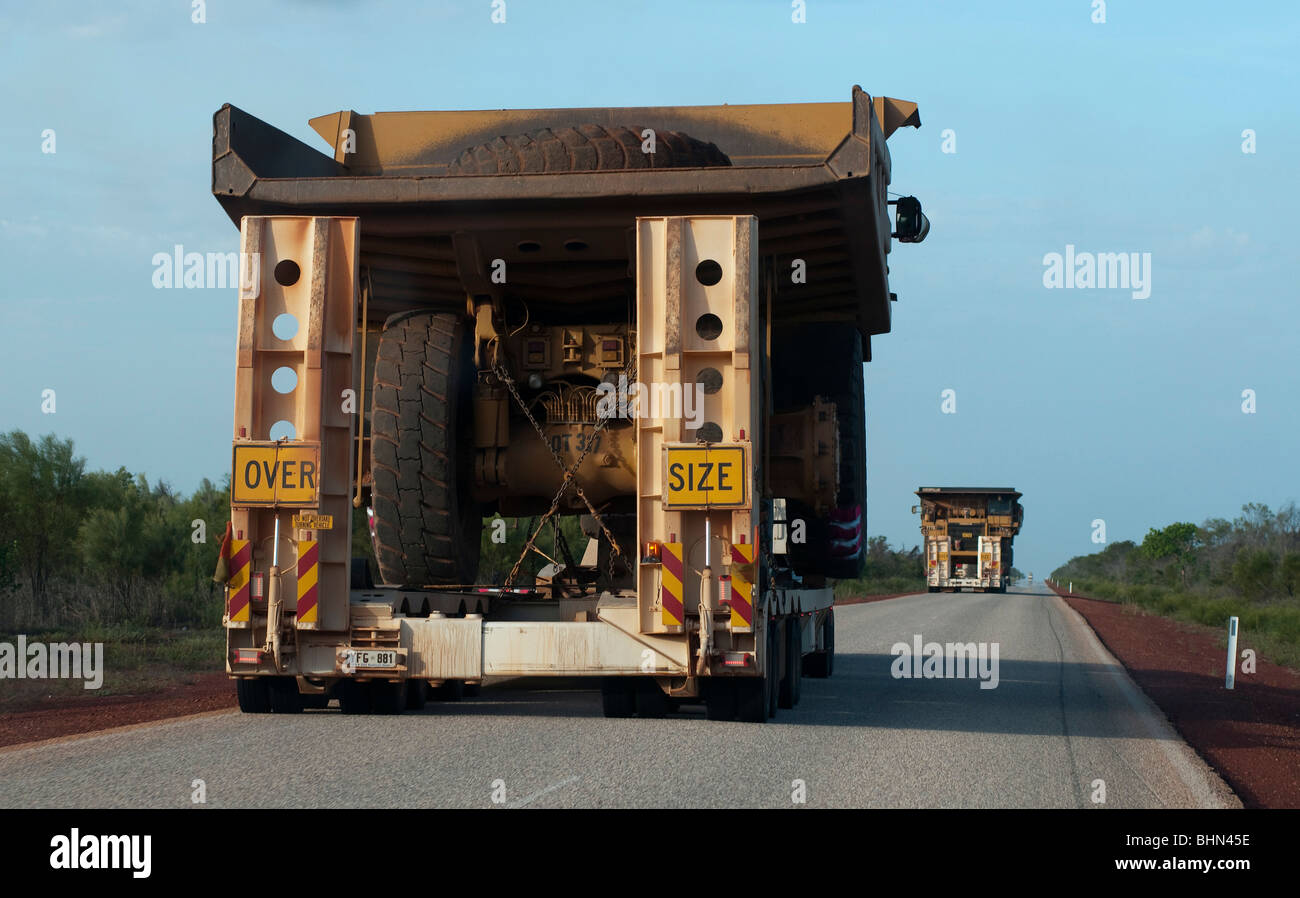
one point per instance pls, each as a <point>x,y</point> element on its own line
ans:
<point>716,477</point>
<point>273,474</point>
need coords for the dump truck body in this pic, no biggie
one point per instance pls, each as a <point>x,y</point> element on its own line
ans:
<point>480,334</point>
<point>968,534</point>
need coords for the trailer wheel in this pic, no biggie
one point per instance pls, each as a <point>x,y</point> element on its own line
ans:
<point>651,701</point>
<point>617,696</point>
<point>585,148</point>
<point>354,697</point>
<point>830,642</point>
<point>417,693</point>
<point>818,665</point>
<point>316,701</point>
<point>720,698</point>
<point>773,665</point>
<point>387,698</point>
<point>754,695</point>
<point>427,526</point>
<point>253,694</point>
<point>284,695</point>
<point>792,678</point>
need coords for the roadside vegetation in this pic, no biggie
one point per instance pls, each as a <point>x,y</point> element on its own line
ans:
<point>136,660</point>
<point>1248,567</point>
<point>107,557</point>
<point>82,549</point>
<point>885,571</point>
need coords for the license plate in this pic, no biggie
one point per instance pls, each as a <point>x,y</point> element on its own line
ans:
<point>373,658</point>
<point>716,477</point>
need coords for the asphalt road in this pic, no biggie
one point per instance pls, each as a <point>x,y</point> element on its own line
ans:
<point>1063,719</point>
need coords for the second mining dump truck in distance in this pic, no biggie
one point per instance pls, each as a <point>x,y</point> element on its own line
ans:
<point>968,533</point>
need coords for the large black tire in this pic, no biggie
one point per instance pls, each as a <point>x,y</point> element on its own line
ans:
<point>585,148</point>
<point>253,695</point>
<point>315,701</point>
<point>354,697</point>
<point>754,695</point>
<point>417,693</point>
<point>387,698</point>
<point>773,665</point>
<point>751,699</point>
<point>427,526</point>
<point>651,701</point>
<point>720,698</point>
<point>792,671</point>
<point>617,696</point>
<point>796,655</point>
<point>284,695</point>
<point>826,360</point>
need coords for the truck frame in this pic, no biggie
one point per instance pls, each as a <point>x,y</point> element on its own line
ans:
<point>968,533</point>
<point>441,324</point>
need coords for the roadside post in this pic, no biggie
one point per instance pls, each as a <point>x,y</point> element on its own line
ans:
<point>1232,652</point>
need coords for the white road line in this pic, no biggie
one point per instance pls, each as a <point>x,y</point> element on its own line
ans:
<point>1200,779</point>
<point>523,801</point>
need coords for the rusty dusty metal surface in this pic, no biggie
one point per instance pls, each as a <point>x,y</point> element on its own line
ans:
<point>815,175</point>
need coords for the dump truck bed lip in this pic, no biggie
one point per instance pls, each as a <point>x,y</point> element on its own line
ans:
<point>942,490</point>
<point>813,174</point>
<point>611,186</point>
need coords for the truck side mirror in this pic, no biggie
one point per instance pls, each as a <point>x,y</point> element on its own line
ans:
<point>911,225</point>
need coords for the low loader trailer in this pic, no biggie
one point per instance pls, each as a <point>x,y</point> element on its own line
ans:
<point>968,534</point>
<point>462,317</point>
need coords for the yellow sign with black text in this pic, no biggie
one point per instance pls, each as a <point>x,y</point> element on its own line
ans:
<point>275,474</point>
<point>712,477</point>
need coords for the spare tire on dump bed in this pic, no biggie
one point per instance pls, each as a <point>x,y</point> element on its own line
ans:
<point>585,148</point>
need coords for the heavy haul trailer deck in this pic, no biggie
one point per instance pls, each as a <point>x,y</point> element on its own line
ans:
<point>466,305</point>
<point>968,533</point>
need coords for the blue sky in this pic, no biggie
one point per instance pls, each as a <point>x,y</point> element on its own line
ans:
<point>1115,137</point>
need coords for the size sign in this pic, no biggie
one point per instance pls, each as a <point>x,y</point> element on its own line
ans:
<point>713,477</point>
<point>270,474</point>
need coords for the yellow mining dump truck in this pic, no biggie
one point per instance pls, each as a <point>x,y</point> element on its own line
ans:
<point>654,318</point>
<point>968,533</point>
